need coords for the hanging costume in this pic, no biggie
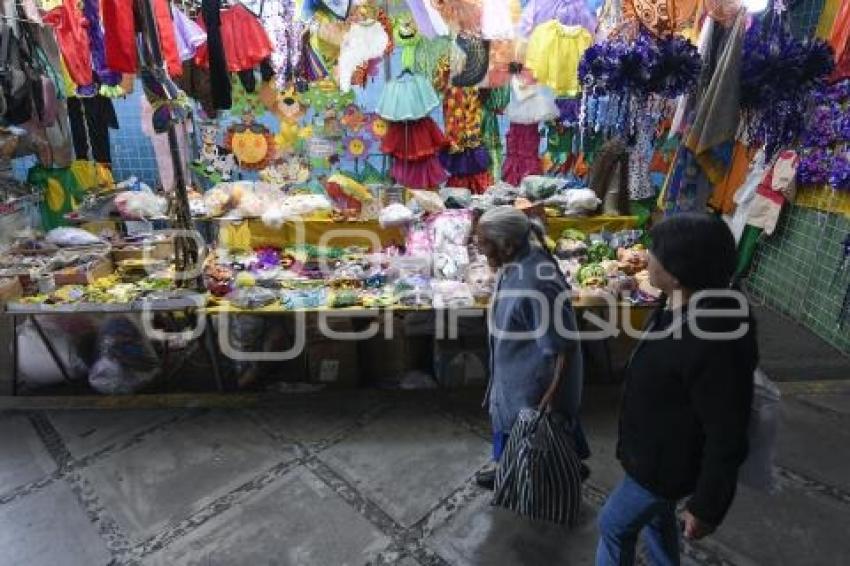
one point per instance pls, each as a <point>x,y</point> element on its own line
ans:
<point>91,119</point>
<point>566,12</point>
<point>553,54</point>
<point>70,27</point>
<point>522,155</point>
<point>213,53</point>
<point>530,104</point>
<point>408,97</point>
<point>188,34</point>
<point>362,42</point>
<point>119,29</point>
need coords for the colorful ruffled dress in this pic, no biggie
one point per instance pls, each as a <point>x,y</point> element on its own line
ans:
<point>553,54</point>
<point>412,139</point>
<point>522,157</point>
<point>466,158</point>
<point>531,104</point>
<point>408,97</point>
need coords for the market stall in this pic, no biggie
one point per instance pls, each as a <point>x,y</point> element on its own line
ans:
<point>308,156</point>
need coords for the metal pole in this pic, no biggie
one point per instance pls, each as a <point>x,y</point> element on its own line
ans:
<point>185,248</point>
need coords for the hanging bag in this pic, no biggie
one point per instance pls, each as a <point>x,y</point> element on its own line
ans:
<point>14,81</point>
<point>539,474</point>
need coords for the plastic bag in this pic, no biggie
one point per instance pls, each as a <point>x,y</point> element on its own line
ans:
<point>68,237</point>
<point>126,360</point>
<point>757,471</point>
<point>139,205</point>
<point>395,215</point>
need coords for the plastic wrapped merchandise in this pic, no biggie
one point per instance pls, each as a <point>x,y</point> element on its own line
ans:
<point>126,360</point>
<point>395,215</point>
<point>538,187</point>
<point>140,205</point>
<point>451,294</point>
<point>252,298</point>
<point>450,231</point>
<point>429,201</point>
<point>481,281</point>
<point>72,237</point>
<point>581,201</point>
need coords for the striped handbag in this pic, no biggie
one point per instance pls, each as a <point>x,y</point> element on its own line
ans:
<point>539,472</point>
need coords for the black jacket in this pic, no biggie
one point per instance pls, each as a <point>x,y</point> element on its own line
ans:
<point>685,412</point>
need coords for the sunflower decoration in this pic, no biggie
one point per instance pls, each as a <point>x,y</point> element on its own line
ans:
<point>377,126</point>
<point>356,146</point>
<point>252,143</point>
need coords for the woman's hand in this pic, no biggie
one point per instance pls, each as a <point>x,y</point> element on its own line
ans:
<point>694,528</point>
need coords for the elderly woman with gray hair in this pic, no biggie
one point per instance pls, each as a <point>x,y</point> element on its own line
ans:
<point>532,330</point>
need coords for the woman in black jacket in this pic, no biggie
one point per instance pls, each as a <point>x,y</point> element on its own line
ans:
<point>687,398</point>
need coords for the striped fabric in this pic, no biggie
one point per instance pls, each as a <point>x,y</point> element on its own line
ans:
<point>539,473</point>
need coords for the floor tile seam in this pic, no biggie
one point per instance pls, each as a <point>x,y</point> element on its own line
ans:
<point>71,464</point>
<point>135,439</point>
<point>109,530</point>
<point>214,508</point>
<point>51,439</point>
<point>399,536</point>
<point>408,540</point>
<point>812,485</point>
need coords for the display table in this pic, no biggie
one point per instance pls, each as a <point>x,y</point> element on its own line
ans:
<point>341,233</point>
<point>209,342</point>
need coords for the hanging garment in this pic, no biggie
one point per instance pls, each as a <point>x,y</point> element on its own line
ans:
<point>214,56</point>
<point>60,190</point>
<point>70,27</point>
<point>778,186</point>
<point>566,12</point>
<point>119,34</point>
<point>522,156</point>
<point>839,39</point>
<point>476,184</point>
<point>422,174</point>
<point>161,147</point>
<point>531,104</point>
<point>462,112</point>
<point>187,33</point>
<point>413,140</point>
<point>91,11</point>
<point>409,97</point>
<point>362,42</point>
<point>167,40</point>
<point>91,118</point>
<point>553,54</point>
<point>460,15</point>
<point>195,82</point>
<point>428,20</point>
<point>722,199</point>
<point>497,19</point>
<point>244,39</point>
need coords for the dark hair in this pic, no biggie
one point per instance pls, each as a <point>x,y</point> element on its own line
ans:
<point>697,249</point>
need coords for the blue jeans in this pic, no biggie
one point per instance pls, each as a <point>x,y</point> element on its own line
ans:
<point>629,510</point>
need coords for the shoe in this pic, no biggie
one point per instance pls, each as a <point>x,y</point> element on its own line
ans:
<point>486,479</point>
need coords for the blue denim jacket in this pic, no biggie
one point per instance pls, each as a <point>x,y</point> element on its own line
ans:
<point>522,368</point>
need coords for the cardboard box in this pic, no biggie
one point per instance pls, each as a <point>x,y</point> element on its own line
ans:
<point>84,276</point>
<point>333,363</point>
<point>10,289</point>
<point>163,249</point>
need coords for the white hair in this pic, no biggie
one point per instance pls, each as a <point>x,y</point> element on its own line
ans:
<point>505,226</point>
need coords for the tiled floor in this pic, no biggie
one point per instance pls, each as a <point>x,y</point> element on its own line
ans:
<point>369,479</point>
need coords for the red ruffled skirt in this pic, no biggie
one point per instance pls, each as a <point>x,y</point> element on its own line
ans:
<point>522,153</point>
<point>245,40</point>
<point>423,174</point>
<point>413,140</point>
<point>477,183</point>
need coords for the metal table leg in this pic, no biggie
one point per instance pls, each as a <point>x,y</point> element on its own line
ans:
<point>51,350</point>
